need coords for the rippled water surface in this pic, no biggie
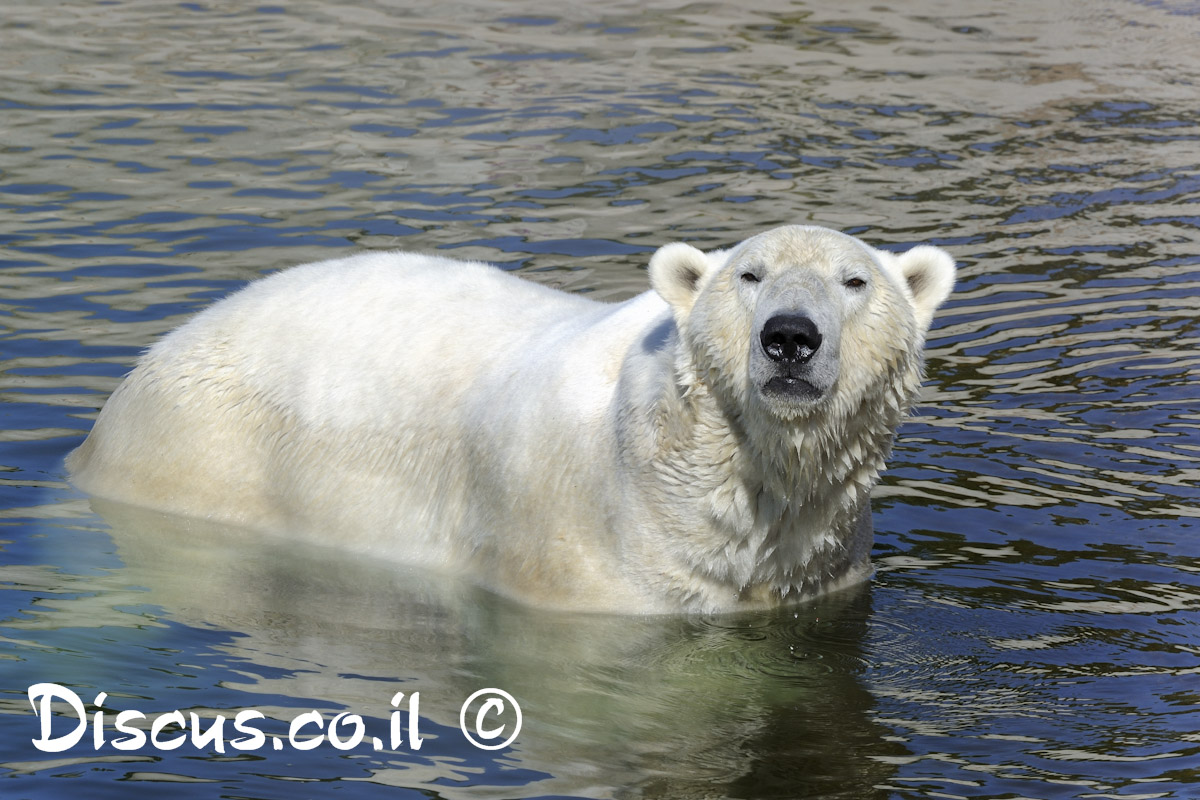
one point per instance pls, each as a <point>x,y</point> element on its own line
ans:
<point>1033,630</point>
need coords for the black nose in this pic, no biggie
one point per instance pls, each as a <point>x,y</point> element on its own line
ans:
<point>790,338</point>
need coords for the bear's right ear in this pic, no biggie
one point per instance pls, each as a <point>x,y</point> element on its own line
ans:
<point>676,271</point>
<point>929,273</point>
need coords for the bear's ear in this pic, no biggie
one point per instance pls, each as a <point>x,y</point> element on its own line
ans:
<point>676,271</point>
<point>929,273</point>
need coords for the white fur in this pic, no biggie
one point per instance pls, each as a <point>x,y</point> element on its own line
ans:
<point>575,454</point>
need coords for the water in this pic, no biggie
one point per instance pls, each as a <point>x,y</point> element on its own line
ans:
<point>1033,630</point>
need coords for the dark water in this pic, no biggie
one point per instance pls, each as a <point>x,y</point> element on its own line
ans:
<point>1033,630</point>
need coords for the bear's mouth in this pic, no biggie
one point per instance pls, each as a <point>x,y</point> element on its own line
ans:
<point>792,387</point>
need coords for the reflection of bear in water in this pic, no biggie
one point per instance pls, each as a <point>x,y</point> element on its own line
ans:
<point>707,446</point>
<point>768,704</point>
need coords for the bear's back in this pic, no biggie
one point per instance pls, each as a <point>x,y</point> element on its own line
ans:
<point>364,373</point>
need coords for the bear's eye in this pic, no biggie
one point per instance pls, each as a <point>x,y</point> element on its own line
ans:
<point>855,283</point>
<point>750,277</point>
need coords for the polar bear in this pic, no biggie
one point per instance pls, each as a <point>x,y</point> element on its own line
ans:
<point>706,446</point>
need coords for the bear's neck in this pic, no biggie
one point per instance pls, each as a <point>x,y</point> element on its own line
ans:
<point>775,510</point>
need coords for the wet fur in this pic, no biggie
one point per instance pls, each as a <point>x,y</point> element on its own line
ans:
<point>573,454</point>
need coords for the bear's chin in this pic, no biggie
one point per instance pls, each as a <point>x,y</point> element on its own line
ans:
<point>790,397</point>
<point>791,388</point>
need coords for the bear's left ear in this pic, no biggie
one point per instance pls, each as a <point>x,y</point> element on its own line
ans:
<point>676,272</point>
<point>929,273</point>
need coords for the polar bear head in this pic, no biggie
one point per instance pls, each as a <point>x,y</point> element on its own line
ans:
<point>801,321</point>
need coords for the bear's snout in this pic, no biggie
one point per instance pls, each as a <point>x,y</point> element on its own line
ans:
<point>790,338</point>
